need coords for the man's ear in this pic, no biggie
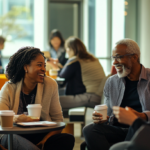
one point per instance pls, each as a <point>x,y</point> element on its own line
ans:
<point>136,58</point>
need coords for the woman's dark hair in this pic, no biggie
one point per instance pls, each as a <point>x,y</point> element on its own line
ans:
<point>56,33</point>
<point>79,48</point>
<point>15,68</point>
<point>2,40</point>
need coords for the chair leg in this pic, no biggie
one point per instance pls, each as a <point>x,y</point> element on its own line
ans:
<point>82,126</point>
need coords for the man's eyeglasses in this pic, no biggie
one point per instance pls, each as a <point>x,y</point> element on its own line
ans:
<point>118,58</point>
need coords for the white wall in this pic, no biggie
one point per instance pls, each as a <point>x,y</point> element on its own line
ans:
<point>145,32</point>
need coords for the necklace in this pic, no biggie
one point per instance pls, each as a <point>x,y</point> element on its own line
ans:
<point>30,99</point>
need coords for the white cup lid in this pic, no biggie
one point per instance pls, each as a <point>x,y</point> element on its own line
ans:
<point>100,107</point>
<point>34,106</point>
<point>7,113</point>
<point>54,74</point>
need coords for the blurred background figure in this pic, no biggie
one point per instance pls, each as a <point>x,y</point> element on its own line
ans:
<point>57,51</point>
<point>2,42</point>
<point>83,75</point>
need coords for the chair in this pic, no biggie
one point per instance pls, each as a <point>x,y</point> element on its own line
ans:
<point>3,79</point>
<point>76,115</point>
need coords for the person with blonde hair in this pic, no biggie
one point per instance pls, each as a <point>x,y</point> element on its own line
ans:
<point>83,75</point>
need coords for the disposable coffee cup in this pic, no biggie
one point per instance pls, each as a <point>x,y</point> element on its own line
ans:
<point>34,110</point>
<point>6,117</point>
<point>53,73</point>
<point>102,109</point>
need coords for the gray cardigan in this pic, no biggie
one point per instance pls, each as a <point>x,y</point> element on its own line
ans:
<point>46,95</point>
<point>115,87</point>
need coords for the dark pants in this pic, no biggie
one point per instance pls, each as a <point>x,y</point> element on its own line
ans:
<point>102,136</point>
<point>29,141</point>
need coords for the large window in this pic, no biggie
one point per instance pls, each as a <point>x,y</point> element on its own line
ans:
<point>17,25</point>
<point>106,27</point>
<point>104,23</point>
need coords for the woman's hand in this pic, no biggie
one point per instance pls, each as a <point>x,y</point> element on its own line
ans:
<point>125,115</point>
<point>53,63</point>
<point>98,118</point>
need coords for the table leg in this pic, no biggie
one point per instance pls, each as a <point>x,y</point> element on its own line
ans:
<point>69,129</point>
<point>10,141</point>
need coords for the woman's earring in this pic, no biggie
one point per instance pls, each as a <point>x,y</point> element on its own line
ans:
<point>26,71</point>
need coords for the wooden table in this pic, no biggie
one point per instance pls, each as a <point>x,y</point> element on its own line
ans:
<point>28,130</point>
<point>60,80</point>
<point>3,79</point>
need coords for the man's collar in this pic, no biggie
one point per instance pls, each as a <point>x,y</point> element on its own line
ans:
<point>72,58</point>
<point>143,74</point>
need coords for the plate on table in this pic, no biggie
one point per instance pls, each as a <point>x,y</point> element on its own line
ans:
<point>37,123</point>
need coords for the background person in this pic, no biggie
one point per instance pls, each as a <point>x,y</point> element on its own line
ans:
<point>57,51</point>
<point>2,44</point>
<point>29,85</point>
<point>83,75</point>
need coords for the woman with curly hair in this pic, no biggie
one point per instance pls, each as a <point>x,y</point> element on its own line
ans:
<point>28,85</point>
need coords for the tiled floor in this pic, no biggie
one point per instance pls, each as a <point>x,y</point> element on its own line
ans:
<point>78,138</point>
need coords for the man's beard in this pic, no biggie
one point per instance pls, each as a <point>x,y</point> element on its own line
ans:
<point>125,71</point>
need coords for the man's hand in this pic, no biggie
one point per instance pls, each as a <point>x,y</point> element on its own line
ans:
<point>98,118</point>
<point>124,115</point>
<point>139,114</point>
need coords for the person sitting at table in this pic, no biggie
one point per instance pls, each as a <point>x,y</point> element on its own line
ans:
<point>28,85</point>
<point>135,139</point>
<point>129,87</point>
<point>2,44</point>
<point>57,51</point>
<point>83,74</point>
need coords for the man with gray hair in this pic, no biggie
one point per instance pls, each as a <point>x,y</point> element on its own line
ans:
<point>129,87</point>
